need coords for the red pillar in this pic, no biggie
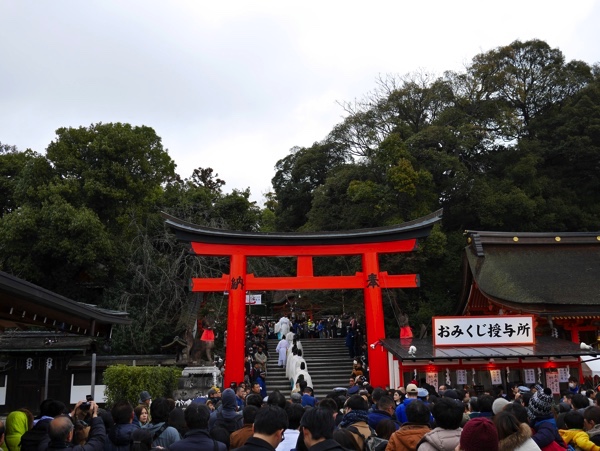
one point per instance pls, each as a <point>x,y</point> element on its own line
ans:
<point>378,362</point>
<point>236,321</point>
<point>575,334</point>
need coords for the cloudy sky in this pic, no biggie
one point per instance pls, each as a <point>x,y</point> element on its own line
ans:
<point>234,85</point>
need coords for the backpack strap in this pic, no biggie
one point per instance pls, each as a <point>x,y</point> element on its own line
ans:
<point>160,431</point>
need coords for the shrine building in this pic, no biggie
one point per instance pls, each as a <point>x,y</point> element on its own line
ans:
<point>529,313</point>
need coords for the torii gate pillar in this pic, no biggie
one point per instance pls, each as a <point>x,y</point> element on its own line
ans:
<point>378,365</point>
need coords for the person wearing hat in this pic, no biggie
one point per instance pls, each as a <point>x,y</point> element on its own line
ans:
<point>479,434</point>
<point>499,404</point>
<point>541,419</point>
<point>412,392</point>
<point>145,399</point>
<point>226,414</point>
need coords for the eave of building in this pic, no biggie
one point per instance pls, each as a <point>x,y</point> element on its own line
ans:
<point>24,305</point>
<point>188,232</point>
<point>544,348</point>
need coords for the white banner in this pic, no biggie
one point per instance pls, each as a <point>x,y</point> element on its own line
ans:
<point>529,374</point>
<point>496,376</point>
<point>552,382</point>
<point>253,299</point>
<point>563,375</point>
<point>483,330</point>
<point>461,377</point>
<point>432,379</point>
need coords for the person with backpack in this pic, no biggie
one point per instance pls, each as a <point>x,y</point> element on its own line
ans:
<point>162,434</point>
<point>356,419</point>
<point>197,437</point>
<point>119,436</point>
<point>227,416</point>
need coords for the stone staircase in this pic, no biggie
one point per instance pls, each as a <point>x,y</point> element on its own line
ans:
<point>328,362</point>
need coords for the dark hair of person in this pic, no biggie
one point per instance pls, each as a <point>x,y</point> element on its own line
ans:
<point>331,404</point>
<point>377,394</point>
<point>220,434</point>
<point>249,414</point>
<point>177,420</point>
<point>418,412</point>
<point>319,422</point>
<point>385,428</point>
<point>52,408</point>
<point>107,418</point>
<point>276,399</point>
<point>138,410</point>
<point>525,397</point>
<point>574,419</point>
<point>589,393</point>
<point>122,412</point>
<point>295,412</point>
<point>254,399</point>
<point>485,403</point>
<point>2,429</point>
<point>474,401</point>
<point>302,385</point>
<point>357,402</point>
<point>518,410</point>
<point>506,424</point>
<point>159,410</point>
<point>580,401</point>
<point>592,414</point>
<point>346,439</point>
<point>59,428</point>
<point>385,402</point>
<point>448,413</point>
<point>80,432</point>
<point>269,419</point>
<point>196,416</point>
<point>141,440</point>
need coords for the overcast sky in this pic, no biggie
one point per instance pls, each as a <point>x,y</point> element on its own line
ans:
<point>234,85</point>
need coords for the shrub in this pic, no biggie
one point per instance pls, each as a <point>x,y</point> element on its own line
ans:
<point>127,382</point>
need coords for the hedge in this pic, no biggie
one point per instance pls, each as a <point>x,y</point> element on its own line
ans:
<point>127,382</point>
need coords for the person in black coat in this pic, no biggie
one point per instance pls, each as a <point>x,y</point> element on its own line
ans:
<point>197,437</point>
<point>269,426</point>
<point>60,432</point>
<point>317,427</point>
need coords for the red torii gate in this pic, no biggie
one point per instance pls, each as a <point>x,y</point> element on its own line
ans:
<point>238,246</point>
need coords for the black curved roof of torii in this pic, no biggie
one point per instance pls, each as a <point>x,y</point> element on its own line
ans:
<point>418,228</point>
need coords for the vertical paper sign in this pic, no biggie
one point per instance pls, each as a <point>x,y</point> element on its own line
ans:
<point>461,377</point>
<point>496,376</point>
<point>552,382</point>
<point>563,375</point>
<point>529,374</point>
<point>432,379</point>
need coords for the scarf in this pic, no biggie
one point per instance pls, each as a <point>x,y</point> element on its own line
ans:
<point>354,416</point>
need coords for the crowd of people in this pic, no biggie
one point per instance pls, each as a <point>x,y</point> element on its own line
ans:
<point>417,417</point>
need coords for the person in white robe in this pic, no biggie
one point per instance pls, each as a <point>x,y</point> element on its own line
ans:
<point>281,350</point>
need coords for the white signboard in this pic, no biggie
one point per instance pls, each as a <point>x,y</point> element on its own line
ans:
<point>461,377</point>
<point>529,374</point>
<point>563,375</point>
<point>552,382</point>
<point>432,379</point>
<point>253,299</point>
<point>483,330</point>
<point>496,377</point>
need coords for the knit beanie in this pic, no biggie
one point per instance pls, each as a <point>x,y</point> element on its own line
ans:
<point>498,405</point>
<point>477,434</point>
<point>540,404</point>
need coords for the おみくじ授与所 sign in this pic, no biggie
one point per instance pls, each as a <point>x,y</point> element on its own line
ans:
<point>483,330</point>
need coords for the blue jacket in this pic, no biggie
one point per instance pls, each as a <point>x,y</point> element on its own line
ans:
<point>376,416</point>
<point>401,410</point>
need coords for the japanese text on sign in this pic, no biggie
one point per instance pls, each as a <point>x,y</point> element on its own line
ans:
<point>483,330</point>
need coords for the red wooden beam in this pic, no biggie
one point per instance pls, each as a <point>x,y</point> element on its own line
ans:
<point>389,247</point>
<point>357,281</point>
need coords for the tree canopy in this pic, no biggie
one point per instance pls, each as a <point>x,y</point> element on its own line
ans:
<point>512,143</point>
